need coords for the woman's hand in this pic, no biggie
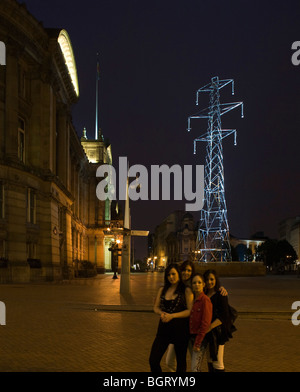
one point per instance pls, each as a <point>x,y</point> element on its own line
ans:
<point>196,349</point>
<point>223,291</point>
<point>166,317</point>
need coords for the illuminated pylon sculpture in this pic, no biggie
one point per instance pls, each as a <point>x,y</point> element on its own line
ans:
<point>213,232</point>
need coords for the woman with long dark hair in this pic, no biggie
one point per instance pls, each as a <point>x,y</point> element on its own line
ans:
<point>221,328</point>
<point>187,270</point>
<point>173,304</point>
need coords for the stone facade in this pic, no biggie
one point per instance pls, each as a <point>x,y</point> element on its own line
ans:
<point>289,230</point>
<point>174,239</point>
<point>245,248</point>
<point>50,217</point>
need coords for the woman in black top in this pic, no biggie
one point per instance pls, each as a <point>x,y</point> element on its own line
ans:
<point>187,271</point>
<point>221,327</point>
<point>173,304</point>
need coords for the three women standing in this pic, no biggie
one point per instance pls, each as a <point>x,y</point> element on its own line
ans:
<point>204,320</point>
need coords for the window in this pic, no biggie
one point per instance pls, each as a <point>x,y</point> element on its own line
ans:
<point>31,250</point>
<point>31,206</point>
<point>2,201</point>
<point>21,140</point>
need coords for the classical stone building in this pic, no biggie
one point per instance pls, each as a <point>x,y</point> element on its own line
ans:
<point>50,217</point>
<point>174,239</point>
<point>246,248</point>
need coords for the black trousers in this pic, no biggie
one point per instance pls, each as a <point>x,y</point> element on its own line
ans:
<point>158,349</point>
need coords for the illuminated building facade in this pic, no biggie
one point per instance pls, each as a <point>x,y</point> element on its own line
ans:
<point>50,217</point>
<point>174,240</point>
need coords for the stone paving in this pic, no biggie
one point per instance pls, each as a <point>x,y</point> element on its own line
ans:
<point>87,326</point>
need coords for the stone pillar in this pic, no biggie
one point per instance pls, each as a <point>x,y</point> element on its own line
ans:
<point>125,268</point>
<point>11,104</point>
<point>16,231</point>
<point>2,110</point>
<point>68,244</point>
<point>62,151</point>
<point>99,252</point>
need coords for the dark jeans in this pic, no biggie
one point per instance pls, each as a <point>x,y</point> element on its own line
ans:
<point>160,346</point>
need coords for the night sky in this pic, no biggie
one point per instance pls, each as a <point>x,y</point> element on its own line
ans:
<point>154,55</point>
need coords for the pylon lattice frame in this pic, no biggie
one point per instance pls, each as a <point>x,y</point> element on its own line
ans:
<point>213,232</point>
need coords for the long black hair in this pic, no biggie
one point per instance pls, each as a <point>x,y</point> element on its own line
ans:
<point>191,264</point>
<point>213,272</point>
<point>180,286</point>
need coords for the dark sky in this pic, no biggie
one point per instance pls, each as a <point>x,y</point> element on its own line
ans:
<point>154,55</point>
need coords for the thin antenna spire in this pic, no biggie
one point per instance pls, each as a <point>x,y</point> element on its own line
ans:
<point>97,91</point>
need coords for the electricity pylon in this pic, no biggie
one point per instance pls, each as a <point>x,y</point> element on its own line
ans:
<point>213,232</point>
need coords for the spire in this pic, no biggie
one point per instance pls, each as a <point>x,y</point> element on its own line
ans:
<point>97,90</point>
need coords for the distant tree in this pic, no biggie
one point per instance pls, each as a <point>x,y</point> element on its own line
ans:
<point>287,252</point>
<point>273,252</point>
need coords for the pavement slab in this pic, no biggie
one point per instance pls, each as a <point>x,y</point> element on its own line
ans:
<point>85,325</point>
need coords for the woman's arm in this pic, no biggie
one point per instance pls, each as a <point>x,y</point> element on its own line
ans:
<point>204,323</point>
<point>221,312</point>
<point>189,297</point>
<point>214,324</point>
<point>156,307</point>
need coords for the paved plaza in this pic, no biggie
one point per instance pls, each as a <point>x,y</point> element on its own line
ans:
<point>85,325</point>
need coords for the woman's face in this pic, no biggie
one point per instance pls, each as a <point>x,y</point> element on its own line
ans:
<point>173,276</point>
<point>197,284</point>
<point>186,273</point>
<point>211,281</point>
